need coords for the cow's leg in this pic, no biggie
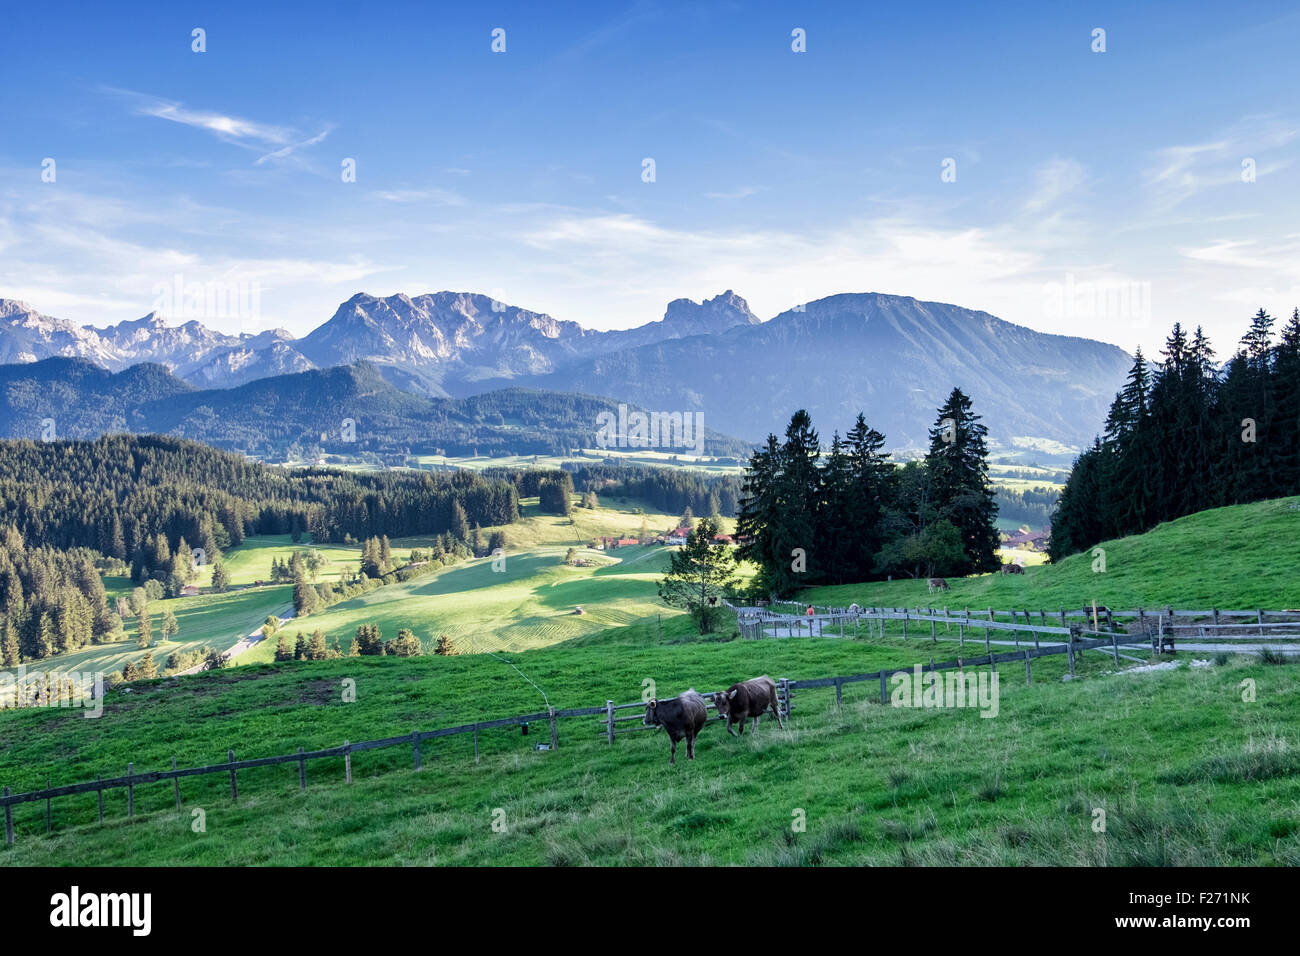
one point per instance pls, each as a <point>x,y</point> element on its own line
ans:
<point>776,712</point>
<point>690,746</point>
<point>729,730</point>
<point>744,719</point>
<point>672,757</point>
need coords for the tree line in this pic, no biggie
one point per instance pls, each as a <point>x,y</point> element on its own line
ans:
<point>136,498</point>
<point>853,515</point>
<point>1185,434</point>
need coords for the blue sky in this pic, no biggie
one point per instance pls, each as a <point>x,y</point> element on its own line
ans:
<point>1096,194</point>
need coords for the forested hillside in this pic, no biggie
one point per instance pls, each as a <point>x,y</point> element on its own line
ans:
<point>1184,435</point>
<point>350,410</point>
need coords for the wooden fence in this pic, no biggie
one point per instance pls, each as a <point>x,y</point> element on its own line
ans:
<point>754,622</point>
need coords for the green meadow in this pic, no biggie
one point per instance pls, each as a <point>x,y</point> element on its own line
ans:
<point>1188,766</point>
<point>1185,771</point>
<point>1240,557</point>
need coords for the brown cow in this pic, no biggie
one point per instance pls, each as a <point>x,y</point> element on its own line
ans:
<point>751,698</point>
<point>680,716</point>
<point>937,584</point>
<point>1012,569</point>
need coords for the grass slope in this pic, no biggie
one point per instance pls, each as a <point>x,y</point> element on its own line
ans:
<point>1240,557</point>
<point>1187,772</point>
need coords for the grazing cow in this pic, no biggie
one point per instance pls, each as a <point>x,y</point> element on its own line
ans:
<point>751,698</point>
<point>937,584</point>
<point>1012,569</point>
<point>680,716</point>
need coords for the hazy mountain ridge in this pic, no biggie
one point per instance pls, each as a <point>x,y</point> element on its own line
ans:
<point>892,357</point>
<point>305,412</point>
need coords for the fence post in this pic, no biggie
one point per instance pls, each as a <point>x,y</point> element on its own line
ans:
<point>49,823</point>
<point>934,639</point>
<point>234,786</point>
<point>1114,646</point>
<point>1029,674</point>
<point>347,760</point>
<point>884,692</point>
<point>415,745</point>
<point>176,784</point>
<point>1069,647</point>
<point>9,821</point>
<point>555,733</point>
<point>1216,616</point>
<point>1261,622</point>
<point>302,770</point>
<point>100,793</point>
<point>904,623</point>
<point>130,791</point>
<point>609,720</point>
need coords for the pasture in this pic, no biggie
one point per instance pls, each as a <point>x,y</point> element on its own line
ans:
<point>218,620</point>
<point>529,602</point>
<point>1187,772</point>
<point>1240,557</point>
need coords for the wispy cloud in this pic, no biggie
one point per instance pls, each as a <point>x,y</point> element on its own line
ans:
<point>285,151</point>
<point>270,141</point>
<point>1182,171</point>
<point>1053,182</point>
<point>740,192</point>
<point>438,197</point>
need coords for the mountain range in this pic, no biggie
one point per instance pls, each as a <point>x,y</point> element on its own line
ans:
<point>346,410</point>
<point>894,358</point>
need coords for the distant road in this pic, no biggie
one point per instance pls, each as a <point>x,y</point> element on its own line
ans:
<point>250,639</point>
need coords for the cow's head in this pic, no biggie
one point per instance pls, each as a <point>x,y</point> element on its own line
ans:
<point>722,701</point>
<point>652,712</point>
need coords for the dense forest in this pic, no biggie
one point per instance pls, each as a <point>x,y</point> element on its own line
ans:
<point>137,499</point>
<point>668,489</point>
<point>1032,507</point>
<point>51,601</point>
<point>855,516</point>
<point>1185,434</point>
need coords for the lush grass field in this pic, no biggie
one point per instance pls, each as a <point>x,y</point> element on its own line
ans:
<point>1242,557</point>
<point>1186,771</point>
<point>615,517</point>
<point>529,603</point>
<point>251,561</point>
<point>218,620</point>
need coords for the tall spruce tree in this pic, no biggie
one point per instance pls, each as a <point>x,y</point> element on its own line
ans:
<point>957,463</point>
